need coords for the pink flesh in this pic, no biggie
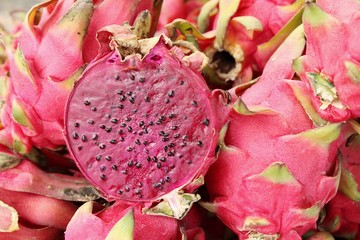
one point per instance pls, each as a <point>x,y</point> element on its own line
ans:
<point>146,178</point>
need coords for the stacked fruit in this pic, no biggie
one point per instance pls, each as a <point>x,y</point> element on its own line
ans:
<point>217,119</point>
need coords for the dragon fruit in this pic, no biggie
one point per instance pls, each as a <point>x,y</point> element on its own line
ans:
<point>140,124</point>
<point>54,45</point>
<point>342,213</point>
<point>239,36</point>
<point>330,68</point>
<point>272,182</point>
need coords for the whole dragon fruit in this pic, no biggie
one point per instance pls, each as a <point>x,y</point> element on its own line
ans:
<point>277,165</point>
<point>140,122</point>
<point>330,68</point>
<point>53,46</point>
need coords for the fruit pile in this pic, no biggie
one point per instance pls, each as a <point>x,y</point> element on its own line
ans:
<point>181,119</point>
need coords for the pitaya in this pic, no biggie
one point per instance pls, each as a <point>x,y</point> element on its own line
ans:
<point>277,165</point>
<point>236,35</point>
<point>342,213</point>
<point>140,123</point>
<point>54,45</point>
<point>330,68</point>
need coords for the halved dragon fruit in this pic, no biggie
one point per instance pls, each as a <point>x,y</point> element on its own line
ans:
<point>140,123</point>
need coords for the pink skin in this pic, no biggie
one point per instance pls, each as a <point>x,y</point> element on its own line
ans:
<point>40,233</point>
<point>39,210</point>
<point>330,44</point>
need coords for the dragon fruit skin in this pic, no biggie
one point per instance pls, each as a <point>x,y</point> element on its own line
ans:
<point>156,114</point>
<point>330,66</point>
<point>101,223</point>
<point>342,213</point>
<point>273,182</point>
<point>51,51</point>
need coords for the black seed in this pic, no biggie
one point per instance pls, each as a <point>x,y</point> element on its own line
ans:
<point>148,158</point>
<point>129,129</point>
<point>123,125</point>
<point>114,120</point>
<point>167,100</point>
<point>108,129</point>
<point>129,149</point>
<point>154,158</point>
<point>107,115</point>
<point>128,119</point>
<point>163,159</point>
<point>171,93</point>
<point>167,179</point>
<point>194,103</point>
<point>120,131</point>
<point>139,184</point>
<point>151,123</point>
<point>199,143</point>
<point>206,122</point>
<point>141,79</point>
<point>127,189</point>
<point>184,137</point>
<point>96,143</point>
<point>147,99</point>
<point>122,98</point>
<point>76,124</point>
<point>86,102</point>
<point>182,82</point>
<point>120,106</point>
<point>83,138</point>
<point>120,192</point>
<point>125,172</point>
<point>141,123</point>
<point>158,165</point>
<point>94,109</point>
<point>138,165</point>
<point>108,158</point>
<point>132,77</point>
<point>75,135</point>
<point>102,176</point>
<point>161,133</point>
<point>102,126</point>
<point>171,144</point>
<point>141,133</point>
<point>171,154</point>
<point>117,77</point>
<point>183,144</point>
<point>162,118</point>
<point>102,168</point>
<point>98,157</point>
<point>121,139</point>
<point>114,167</point>
<point>158,122</point>
<point>145,143</point>
<point>146,131</point>
<point>120,92</point>
<point>157,185</point>
<point>132,99</point>
<point>181,156</point>
<point>162,181</point>
<point>90,121</point>
<point>80,148</point>
<point>165,139</point>
<point>174,127</point>
<point>172,115</point>
<point>166,148</point>
<point>94,136</point>
<point>137,191</point>
<point>102,146</point>
<point>137,141</point>
<point>177,135</point>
